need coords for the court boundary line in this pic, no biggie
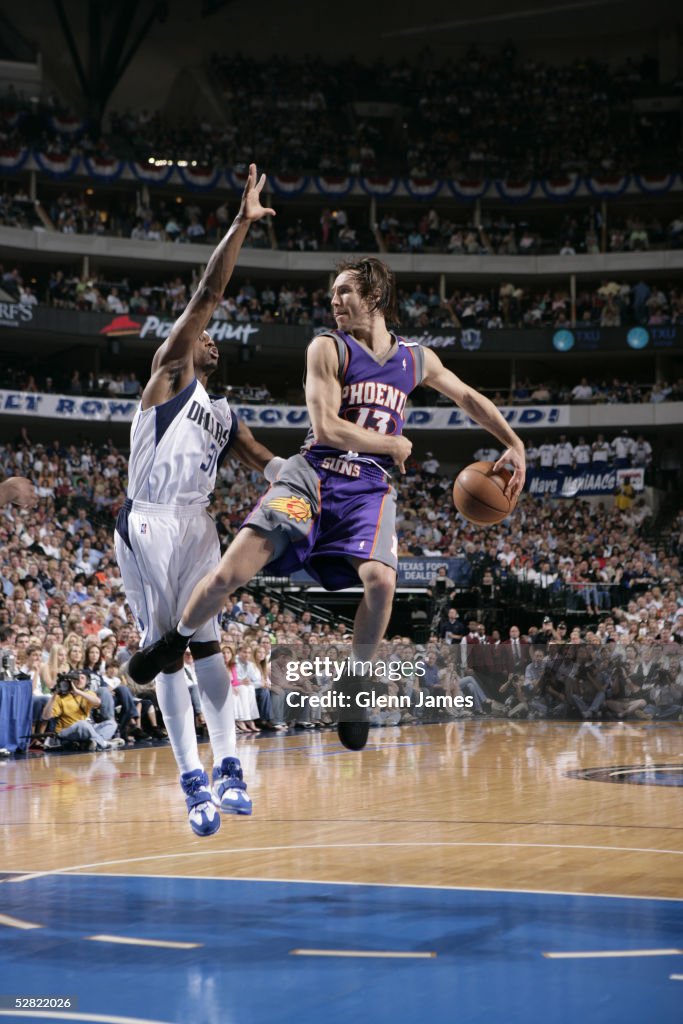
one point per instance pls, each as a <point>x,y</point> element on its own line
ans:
<point>376,885</point>
<point>28,875</point>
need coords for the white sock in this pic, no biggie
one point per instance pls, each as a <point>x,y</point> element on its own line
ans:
<point>218,705</point>
<point>176,707</point>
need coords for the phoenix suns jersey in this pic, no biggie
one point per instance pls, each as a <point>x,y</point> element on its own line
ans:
<point>374,394</point>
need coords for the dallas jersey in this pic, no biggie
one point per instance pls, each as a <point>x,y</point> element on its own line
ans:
<point>176,448</point>
<point>165,539</point>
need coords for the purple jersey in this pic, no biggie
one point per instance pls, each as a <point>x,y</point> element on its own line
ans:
<point>374,396</point>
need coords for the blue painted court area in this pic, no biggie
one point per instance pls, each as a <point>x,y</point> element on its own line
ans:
<point>489,964</point>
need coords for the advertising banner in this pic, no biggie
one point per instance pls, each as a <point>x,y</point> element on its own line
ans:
<point>593,480</point>
<point>121,410</point>
<point>154,328</point>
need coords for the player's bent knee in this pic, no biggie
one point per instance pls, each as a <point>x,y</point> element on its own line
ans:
<point>379,581</point>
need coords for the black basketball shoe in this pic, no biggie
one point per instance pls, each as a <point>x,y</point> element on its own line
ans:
<point>353,726</point>
<point>353,735</point>
<point>146,664</point>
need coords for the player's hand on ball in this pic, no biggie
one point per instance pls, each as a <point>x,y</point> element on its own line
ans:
<point>515,457</point>
<point>251,208</point>
<point>401,452</point>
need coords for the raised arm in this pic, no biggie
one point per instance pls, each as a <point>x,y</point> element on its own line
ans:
<point>323,399</point>
<point>172,365</point>
<point>483,411</point>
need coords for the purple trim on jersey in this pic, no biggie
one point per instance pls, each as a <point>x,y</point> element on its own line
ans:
<point>166,413</point>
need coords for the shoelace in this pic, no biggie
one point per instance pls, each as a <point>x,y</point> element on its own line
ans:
<point>194,785</point>
<point>233,772</point>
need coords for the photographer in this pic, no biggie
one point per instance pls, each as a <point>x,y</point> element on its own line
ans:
<point>440,590</point>
<point>71,705</point>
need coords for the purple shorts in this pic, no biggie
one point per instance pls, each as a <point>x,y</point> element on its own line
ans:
<point>322,517</point>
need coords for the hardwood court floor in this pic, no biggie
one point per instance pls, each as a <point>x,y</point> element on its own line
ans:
<point>436,876</point>
<point>473,804</point>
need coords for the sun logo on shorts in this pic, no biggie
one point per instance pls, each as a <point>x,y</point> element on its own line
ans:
<point>297,509</point>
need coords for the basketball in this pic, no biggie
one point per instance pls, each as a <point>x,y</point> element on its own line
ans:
<point>478,494</point>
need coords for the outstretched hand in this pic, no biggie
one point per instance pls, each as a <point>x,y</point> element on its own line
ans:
<point>251,208</point>
<point>517,459</point>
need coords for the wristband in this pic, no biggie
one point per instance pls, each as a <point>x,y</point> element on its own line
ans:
<point>273,468</point>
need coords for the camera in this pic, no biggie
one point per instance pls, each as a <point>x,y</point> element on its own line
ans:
<point>64,682</point>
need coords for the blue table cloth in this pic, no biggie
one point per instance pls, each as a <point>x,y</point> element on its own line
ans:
<point>16,700</point>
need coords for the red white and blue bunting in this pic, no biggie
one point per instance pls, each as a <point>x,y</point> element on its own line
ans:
<point>423,188</point>
<point>63,165</point>
<point>199,178</point>
<point>655,184</point>
<point>67,124</point>
<point>151,174</point>
<point>608,186</point>
<point>334,186</point>
<point>236,179</point>
<point>380,188</point>
<point>288,184</point>
<point>10,119</point>
<point>103,168</point>
<point>515,191</point>
<point>12,160</point>
<point>57,165</point>
<point>561,188</point>
<point>469,190</point>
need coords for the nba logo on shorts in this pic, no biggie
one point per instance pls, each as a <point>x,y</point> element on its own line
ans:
<point>143,527</point>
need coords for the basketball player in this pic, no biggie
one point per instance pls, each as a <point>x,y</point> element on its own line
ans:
<point>165,539</point>
<point>332,509</point>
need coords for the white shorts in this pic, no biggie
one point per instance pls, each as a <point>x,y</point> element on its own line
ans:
<point>163,552</point>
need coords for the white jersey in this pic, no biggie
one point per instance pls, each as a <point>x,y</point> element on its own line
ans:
<point>582,454</point>
<point>642,453</point>
<point>165,539</point>
<point>487,455</point>
<point>601,452</point>
<point>564,454</point>
<point>546,455</point>
<point>175,448</point>
<point>622,447</point>
<point>531,455</point>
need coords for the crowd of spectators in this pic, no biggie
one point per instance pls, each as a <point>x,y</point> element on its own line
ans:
<point>421,306</point>
<point>498,234</point>
<point>568,454</point>
<point>477,115</point>
<point>62,607</point>
<point>183,220</point>
<point>610,304</point>
<point>17,210</point>
<point>595,392</point>
<point>109,383</point>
